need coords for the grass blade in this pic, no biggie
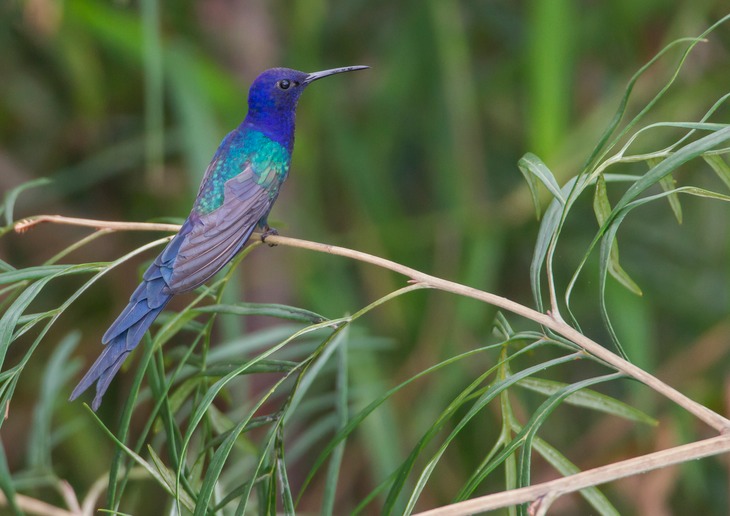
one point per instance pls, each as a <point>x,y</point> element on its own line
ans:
<point>589,399</point>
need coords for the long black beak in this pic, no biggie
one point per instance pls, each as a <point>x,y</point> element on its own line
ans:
<point>324,73</point>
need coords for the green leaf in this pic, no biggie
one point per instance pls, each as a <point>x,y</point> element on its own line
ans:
<point>702,192</point>
<point>114,491</point>
<point>668,184</point>
<point>271,310</point>
<point>547,234</point>
<point>533,168</point>
<point>5,266</point>
<point>602,209</point>
<point>54,378</point>
<point>341,411</point>
<point>620,275</point>
<point>690,151</point>
<point>589,399</point>
<point>603,146</point>
<point>14,312</point>
<point>41,271</point>
<point>314,368</point>
<point>12,196</point>
<point>164,476</point>
<point>6,482</point>
<point>609,228</point>
<point>284,486</point>
<point>216,467</point>
<point>601,204</point>
<point>618,218</point>
<point>720,166</point>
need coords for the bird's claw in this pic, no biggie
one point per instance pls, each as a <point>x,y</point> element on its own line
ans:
<point>267,232</point>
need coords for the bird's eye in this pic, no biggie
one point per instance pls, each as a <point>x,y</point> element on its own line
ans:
<point>283,84</point>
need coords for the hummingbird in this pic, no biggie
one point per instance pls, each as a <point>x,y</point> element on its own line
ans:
<point>235,196</point>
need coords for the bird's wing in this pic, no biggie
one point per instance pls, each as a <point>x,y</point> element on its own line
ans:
<point>214,238</point>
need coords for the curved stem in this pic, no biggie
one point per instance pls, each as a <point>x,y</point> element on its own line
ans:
<point>711,418</point>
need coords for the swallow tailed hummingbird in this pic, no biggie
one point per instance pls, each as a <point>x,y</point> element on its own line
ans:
<point>236,194</point>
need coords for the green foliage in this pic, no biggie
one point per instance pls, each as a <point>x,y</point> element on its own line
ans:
<point>266,405</point>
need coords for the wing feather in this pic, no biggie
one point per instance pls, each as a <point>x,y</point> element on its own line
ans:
<point>216,237</point>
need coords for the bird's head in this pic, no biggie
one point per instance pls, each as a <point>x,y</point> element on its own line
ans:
<point>273,97</point>
<point>277,89</point>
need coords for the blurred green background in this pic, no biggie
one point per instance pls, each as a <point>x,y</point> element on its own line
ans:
<point>122,104</point>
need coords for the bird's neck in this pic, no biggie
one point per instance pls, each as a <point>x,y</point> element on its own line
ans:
<point>275,125</point>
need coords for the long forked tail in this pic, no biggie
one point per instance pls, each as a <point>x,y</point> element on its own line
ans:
<point>124,334</point>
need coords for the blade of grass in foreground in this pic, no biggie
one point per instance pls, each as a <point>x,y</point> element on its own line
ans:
<point>341,402</point>
<point>157,469</point>
<point>589,399</point>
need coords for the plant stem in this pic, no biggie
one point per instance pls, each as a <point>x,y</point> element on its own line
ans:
<point>546,492</point>
<point>711,418</point>
<point>26,224</point>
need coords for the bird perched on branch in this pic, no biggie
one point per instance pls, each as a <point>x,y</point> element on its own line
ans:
<point>236,194</point>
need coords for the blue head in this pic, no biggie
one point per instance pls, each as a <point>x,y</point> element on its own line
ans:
<point>273,97</point>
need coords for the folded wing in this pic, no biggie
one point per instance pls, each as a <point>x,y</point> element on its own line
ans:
<point>216,237</point>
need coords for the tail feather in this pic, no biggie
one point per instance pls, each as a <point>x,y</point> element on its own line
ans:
<point>145,304</point>
<point>125,333</point>
<point>149,295</point>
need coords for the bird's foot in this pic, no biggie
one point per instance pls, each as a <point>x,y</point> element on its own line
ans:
<point>267,232</point>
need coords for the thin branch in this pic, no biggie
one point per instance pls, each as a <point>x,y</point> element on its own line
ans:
<point>593,477</point>
<point>711,418</point>
<point>35,506</point>
<point>26,224</point>
<point>93,495</point>
<point>69,495</point>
